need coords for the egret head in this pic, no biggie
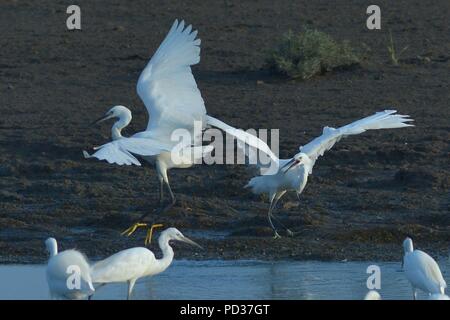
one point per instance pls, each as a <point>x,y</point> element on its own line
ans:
<point>175,234</point>
<point>119,112</point>
<point>408,245</point>
<point>52,246</point>
<point>298,159</point>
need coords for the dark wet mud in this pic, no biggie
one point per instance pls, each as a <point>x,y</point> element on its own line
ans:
<point>363,198</point>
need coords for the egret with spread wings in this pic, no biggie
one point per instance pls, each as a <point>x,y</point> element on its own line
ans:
<point>293,173</point>
<point>173,101</point>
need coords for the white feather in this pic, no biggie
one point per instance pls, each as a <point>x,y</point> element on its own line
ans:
<point>58,272</point>
<point>120,151</point>
<point>167,86</point>
<point>422,271</point>
<point>122,266</point>
<point>244,138</point>
<point>386,119</point>
<point>372,295</point>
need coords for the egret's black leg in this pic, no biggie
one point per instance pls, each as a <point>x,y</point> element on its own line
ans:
<point>269,217</point>
<point>272,207</point>
<point>172,196</point>
<point>130,288</point>
<point>273,204</point>
<point>161,191</point>
<point>289,232</point>
<point>414,293</point>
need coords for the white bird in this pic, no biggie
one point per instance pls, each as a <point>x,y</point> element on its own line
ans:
<point>293,173</point>
<point>68,273</point>
<point>134,263</point>
<point>173,101</point>
<point>422,271</point>
<point>372,295</point>
<point>438,296</point>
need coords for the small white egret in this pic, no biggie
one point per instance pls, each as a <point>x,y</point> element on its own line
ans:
<point>68,273</point>
<point>372,295</point>
<point>422,271</point>
<point>173,101</point>
<point>293,173</point>
<point>134,263</point>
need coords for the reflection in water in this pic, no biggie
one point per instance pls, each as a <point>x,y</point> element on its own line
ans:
<point>232,280</point>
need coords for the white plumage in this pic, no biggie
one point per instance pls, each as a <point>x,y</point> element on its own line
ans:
<point>422,271</point>
<point>134,263</point>
<point>438,296</point>
<point>372,295</point>
<point>61,266</point>
<point>293,173</point>
<point>173,101</point>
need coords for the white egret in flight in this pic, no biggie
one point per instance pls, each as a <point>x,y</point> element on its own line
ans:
<point>422,271</point>
<point>293,173</point>
<point>173,101</point>
<point>68,273</point>
<point>134,263</point>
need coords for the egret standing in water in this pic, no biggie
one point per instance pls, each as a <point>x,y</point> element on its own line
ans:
<point>61,266</point>
<point>173,101</point>
<point>134,263</point>
<point>422,271</point>
<point>293,173</point>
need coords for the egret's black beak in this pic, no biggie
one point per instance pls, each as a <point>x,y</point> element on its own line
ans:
<point>289,165</point>
<point>101,119</point>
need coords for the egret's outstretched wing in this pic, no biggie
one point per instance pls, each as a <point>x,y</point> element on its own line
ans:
<point>243,138</point>
<point>167,86</point>
<point>386,119</point>
<point>121,151</point>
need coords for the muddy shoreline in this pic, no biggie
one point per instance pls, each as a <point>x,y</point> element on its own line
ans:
<point>363,198</point>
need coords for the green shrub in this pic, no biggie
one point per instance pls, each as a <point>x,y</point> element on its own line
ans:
<point>310,53</point>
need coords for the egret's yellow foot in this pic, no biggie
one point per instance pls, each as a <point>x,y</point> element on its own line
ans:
<point>148,238</point>
<point>133,228</point>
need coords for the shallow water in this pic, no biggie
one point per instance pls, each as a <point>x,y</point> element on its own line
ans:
<point>215,279</point>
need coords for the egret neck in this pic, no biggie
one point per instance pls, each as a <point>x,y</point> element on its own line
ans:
<point>124,120</point>
<point>408,245</point>
<point>167,251</point>
<point>52,246</point>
